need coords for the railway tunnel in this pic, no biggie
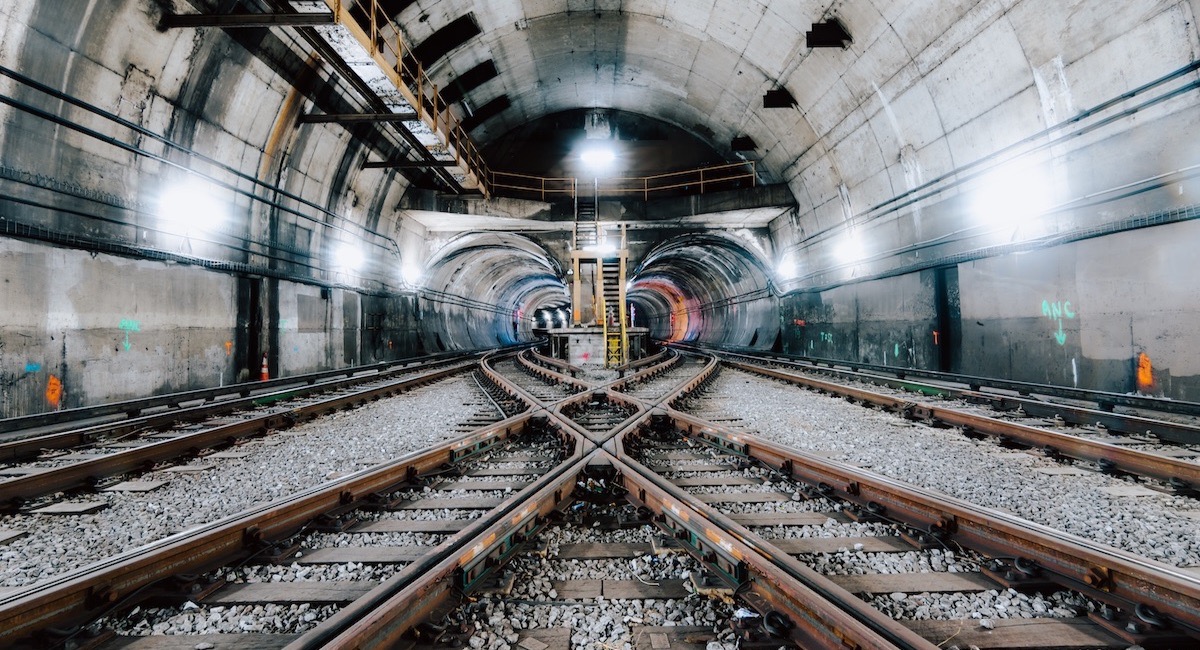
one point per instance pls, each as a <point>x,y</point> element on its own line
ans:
<point>951,188</point>
<point>203,194</point>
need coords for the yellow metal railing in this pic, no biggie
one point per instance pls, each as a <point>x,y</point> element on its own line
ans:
<point>543,186</point>
<point>367,23</point>
<point>690,181</point>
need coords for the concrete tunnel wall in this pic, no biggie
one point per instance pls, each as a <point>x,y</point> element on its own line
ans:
<point>202,305</point>
<point>1027,176</point>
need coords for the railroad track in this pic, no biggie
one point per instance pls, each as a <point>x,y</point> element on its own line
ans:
<point>1104,413</point>
<point>102,456</point>
<point>656,481</point>
<point>1177,470</point>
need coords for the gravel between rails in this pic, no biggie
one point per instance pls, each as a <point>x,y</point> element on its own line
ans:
<point>852,559</point>
<point>282,464</point>
<point>191,618</point>
<point>597,623</point>
<point>656,386</point>
<point>977,471</point>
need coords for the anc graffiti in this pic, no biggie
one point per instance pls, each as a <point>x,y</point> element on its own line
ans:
<point>1057,311</point>
<point>129,325</point>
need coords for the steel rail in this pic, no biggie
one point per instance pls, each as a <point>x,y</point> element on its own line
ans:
<point>808,600</point>
<point>550,375</point>
<point>87,592</point>
<point>598,437</point>
<point>551,362</point>
<point>1121,423</point>
<point>1106,400</point>
<point>611,392</point>
<point>380,618</point>
<point>778,580</point>
<point>665,364</point>
<point>771,588</point>
<point>14,492</point>
<point>31,447</point>
<point>134,407</point>
<point>1110,575</point>
<point>1114,422</point>
<point>1180,474</point>
<point>516,391</point>
<point>644,361</point>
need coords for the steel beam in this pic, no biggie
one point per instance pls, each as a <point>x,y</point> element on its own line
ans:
<point>409,164</point>
<point>239,21</point>
<point>355,118</point>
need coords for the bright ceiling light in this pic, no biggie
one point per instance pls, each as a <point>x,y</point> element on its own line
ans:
<point>192,207</point>
<point>598,158</point>
<point>1012,195</point>
<point>411,274</point>
<point>347,257</point>
<point>787,269</point>
<point>849,248</point>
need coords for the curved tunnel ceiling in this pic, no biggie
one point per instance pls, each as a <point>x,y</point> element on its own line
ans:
<point>643,146</point>
<point>682,63</point>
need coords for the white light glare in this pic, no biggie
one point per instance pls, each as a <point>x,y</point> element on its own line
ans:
<point>1013,195</point>
<point>411,274</point>
<point>347,257</point>
<point>850,247</point>
<point>598,158</point>
<point>787,269</point>
<point>192,207</point>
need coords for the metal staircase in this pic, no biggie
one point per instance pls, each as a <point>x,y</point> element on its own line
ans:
<point>600,256</point>
<point>612,299</point>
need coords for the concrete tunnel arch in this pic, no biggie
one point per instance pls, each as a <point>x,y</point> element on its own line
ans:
<point>479,289</point>
<point>707,288</point>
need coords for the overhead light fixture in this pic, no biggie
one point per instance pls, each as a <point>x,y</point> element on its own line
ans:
<point>598,158</point>
<point>1013,194</point>
<point>831,33</point>
<point>778,98</point>
<point>192,207</point>
<point>849,248</point>
<point>787,269</point>
<point>347,257</point>
<point>411,274</point>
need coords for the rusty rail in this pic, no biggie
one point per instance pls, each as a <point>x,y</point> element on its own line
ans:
<point>1109,575</point>
<point>85,593</point>
<point>134,407</point>
<point>14,492</point>
<point>1104,400</point>
<point>1181,474</point>
<point>31,447</point>
<point>817,622</point>
<point>1103,415</point>
<point>379,619</point>
<point>771,579</point>
<point>551,362</point>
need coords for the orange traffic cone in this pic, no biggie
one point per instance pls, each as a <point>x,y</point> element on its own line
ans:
<point>265,374</point>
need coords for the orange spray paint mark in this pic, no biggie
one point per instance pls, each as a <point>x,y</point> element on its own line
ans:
<point>1145,373</point>
<point>228,348</point>
<point>54,391</point>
